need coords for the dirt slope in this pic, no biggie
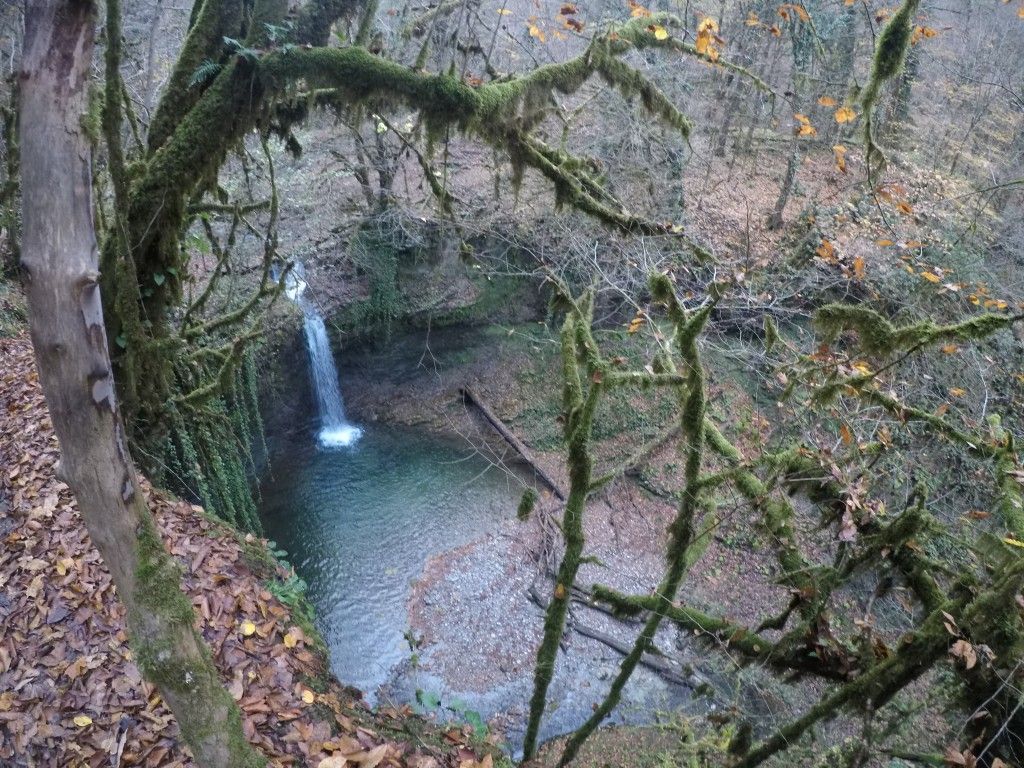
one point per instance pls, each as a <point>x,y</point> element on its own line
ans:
<point>70,694</point>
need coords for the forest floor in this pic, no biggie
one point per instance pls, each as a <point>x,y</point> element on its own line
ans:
<point>70,692</point>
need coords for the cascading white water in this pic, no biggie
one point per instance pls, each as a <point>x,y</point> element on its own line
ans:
<point>335,429</point>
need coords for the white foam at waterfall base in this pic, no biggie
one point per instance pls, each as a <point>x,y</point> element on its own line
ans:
<point>335,429</point>
<point>339,437</point>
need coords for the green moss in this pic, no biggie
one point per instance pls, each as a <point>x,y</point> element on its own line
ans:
<point>159,578</point>
<point>526,504</point>
<point>92,120</point>
<point>358,74</point>
<point>1008,472</point>
<point>893,42</point>
<point>160,619</point>
<point>879,337</point>
<point>215,20</point>
<point>890,55</point>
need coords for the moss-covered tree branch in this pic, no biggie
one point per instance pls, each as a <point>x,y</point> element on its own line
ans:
<point>683,545</point>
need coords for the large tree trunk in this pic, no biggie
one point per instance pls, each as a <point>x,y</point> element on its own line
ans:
<point>60,260</point>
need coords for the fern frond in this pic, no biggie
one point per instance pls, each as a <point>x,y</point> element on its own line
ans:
<point>204,73</point>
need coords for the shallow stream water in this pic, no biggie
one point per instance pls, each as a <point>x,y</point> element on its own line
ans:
<point>360,522</point>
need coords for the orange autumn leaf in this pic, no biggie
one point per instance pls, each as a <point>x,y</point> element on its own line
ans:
<point>827,101</point>
<point>845,434</point>
<point>840,155</point>
<point>706,36</point>
<point>637,11</point>
<point>922,33</point>
<point>826,251</point>
<point>858,268</point>
<point>804,128</point>
<point>845,115</point>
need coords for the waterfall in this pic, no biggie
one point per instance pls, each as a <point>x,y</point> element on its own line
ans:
<point>335,429</point>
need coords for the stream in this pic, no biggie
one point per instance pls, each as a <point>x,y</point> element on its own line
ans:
<point>359,524</point>
<point>397,527</point>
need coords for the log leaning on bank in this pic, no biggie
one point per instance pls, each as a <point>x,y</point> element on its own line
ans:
<point>500,427</point>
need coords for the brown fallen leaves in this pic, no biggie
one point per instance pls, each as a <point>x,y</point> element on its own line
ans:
<point>70,694</point>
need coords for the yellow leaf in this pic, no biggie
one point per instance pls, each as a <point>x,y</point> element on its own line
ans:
<point>559,591</point>
<point>845,115</point>
<point>1013,542</point>
<point>957,391</point>
<point>707,24</point>
<point>504,12</point>
<point>930,277</point>
<point>826,101</point>
<point>247,628</point>
<point>536,31</point>
<point>705,37</point>
<point>660,33</point>
<point>291,639</point>
<point>308,696</point>
<point>752,20</point>
<point>950,349</point>
<point>82,720</point>
<point>863,368</point>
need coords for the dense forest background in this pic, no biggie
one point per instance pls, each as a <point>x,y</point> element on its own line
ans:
<point>751,278</point>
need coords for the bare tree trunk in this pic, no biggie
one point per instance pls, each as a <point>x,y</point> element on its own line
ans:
<point>60,260</point>
<point>775,219</point>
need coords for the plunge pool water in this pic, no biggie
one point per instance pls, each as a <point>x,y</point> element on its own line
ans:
<point>360,522</point>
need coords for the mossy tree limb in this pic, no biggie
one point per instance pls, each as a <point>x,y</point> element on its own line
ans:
<point>215,20</point>
<point>682,532</point>
<point>917,652</point>
<point>890,56</point>
<point>578,412</point>
<point>732,637</point>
